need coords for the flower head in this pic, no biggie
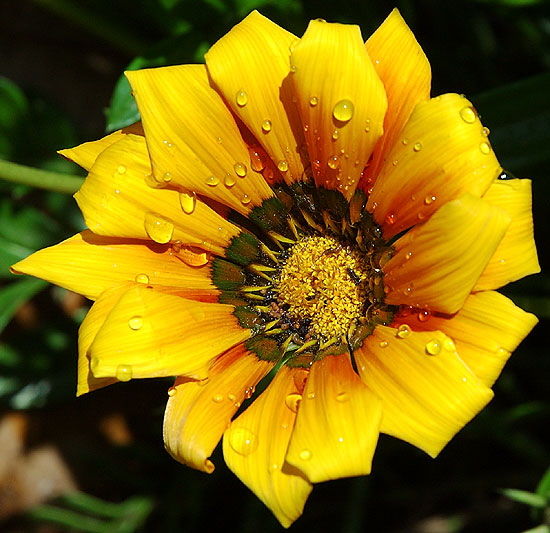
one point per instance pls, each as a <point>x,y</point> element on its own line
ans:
<point>298,213</point>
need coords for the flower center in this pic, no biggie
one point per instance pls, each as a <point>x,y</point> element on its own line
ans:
<point>323,287</point>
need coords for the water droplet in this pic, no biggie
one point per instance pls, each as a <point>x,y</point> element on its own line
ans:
<point>241,98</point>
<point>160,229</point>
<point>212,181</point>
<point>506,175</point>
<point>408,255</point>
<point>124,372</point>
<point>282,165</point>
<point>242,440</point>
<point>167,177</point>
<point>335,134</point>
<point>468,115</point>
<point>313,101</point>
<point>449,345</point>
<point>249,391</point>
<point>390,219</point>
<point>485,131</point>
<point>245,200</point>
<point>405,141</point>
<point>423,316</point>
<point>343,110</point>
<point>403,331</point>
<point>231,397</point>
<point>305,455</point>
<point>135,323</point>
<point>293,68</point>
<point>311,396</point>
<point>433,347</point>
<point>485,148</point>
<point>121,169</point>
<point>383,344</point>
<point>395,162</point>
<point>240,169</point>
<point>142,278</point>
<point>342,397</point>
<point>229,180</point>
<point>333,162</point>
<point>430,199</point>
<point>219,140</point>
<point>172,391</point>
<point>417,147</point>
<point>188,201</point>
<point>218,398</point>
<point>292,401</point>
<point>266,126</point>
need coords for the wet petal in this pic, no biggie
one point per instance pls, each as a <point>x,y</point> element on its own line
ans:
<point>116,200</point>
<point>255,445</point>
<point>342,102</point>
<point>442,152</point>
<point>437,263</point>
<point>516,255</point>
<point>338,423</point>
<point>89,264</point>
<point>198,412</point>
<point>162,335</point>
<point>250,66</point>
<point>428,393</point>
<point>486,330</point>
<point>405,71</point>
<point>193,137</point>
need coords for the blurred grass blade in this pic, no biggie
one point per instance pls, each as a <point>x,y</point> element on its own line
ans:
<point>14,295</point>
<point>526,497</point>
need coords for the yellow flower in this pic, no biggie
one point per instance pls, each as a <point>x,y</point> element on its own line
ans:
<point>302,209</point>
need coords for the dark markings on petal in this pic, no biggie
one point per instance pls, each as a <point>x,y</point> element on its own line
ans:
<point>265,348</point>
<point>243,249</point>
<point>271,215</point>
<point>248,318</point>
<point>227,276</point>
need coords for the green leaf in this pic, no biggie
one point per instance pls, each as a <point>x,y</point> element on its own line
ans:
<point>14,295</point>
<point>543,488</point>
<point>528,498</point>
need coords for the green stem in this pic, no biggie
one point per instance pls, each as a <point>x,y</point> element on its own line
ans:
<point>95,24</point>
<point>43,179</point>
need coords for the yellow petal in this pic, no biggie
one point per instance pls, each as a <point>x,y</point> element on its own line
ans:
<point>428,393</point>
<point>116,200</point>
<point>150,334</point>
<point>437,263</point>
<point>486,330</point>
<point>89,264</point>
<point>516,255</point>
<point>193,137</point>
<point>250,67</point>
<point>86,334</point>
<point>442,152</point>
<point>198,412</point>
<point>342,102</point>
<point>86,153</point>
<point>255,445</point>
<point>338,423</point>
<point>405,72</point>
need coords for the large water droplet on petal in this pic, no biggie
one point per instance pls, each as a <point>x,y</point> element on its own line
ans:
<point>241,98</point>
<point>142,278</point>
<point>242,440</point>
<point>305,455</point>
<point>136,322</point>
<point>343,110</point>
<point>266,126</point>
<point>240,169</point>
<point>292,401</point>
<point>433,347</point>
<point>159,228</point>
<point>124,372</point>
<point>188,201</point>
<point>403,331</point>
<point>212,181</point>
<point>468,115</point>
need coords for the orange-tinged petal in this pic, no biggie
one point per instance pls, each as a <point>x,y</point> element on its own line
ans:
<point>255,445</point>
<point>516,255</point>
<point>198,412</point>
<point>486,330</point>
<point>437,263</point>
<point>428,393</point>
<point>116,200</point>
<point>162,335</point>
<point>405,72</point>
<point>442,152</point>
<point>86,153</point>
<point>338,423</point>
<point>342,102</point>
<point>89,264</point>
<point>193,138</point>
<point>250,66</point>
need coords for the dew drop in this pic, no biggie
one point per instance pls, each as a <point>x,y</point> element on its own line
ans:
<point>335,134</point>
<point>243,441</point>
<point>417,147</point>
<point>121,169</point>
<point>468,115</point>
<point>390,219</point>
<point>293,68</point>
<point>229,180</point>
<point>124,372</point>
<point>405,141</point>
<point>266,126</point>
<point>282,165</point>
<point>219,140</point>
<point>167,177</point>
<point>231,397</point>
<point>383,344</point>
<point>292,401</point>
<point>343,110</point>
<point>245,200</point>
<point>218,398</point>
<point>333,162</point>
<point>311,396</point>
<point>403,331</point>
<point>485,131</point>
<point>423,316</point>
<point>212,181</point>
<point>408,255</point>
<point>342,397</point>
<point>305,455</point>
<point>160,229</point>
<point>256,161</point>
<point>313,101</point>
<point>249,391</point>
<point>188,201</point>
<point>241,98</point>
<point>433,347</point>
<point>430,199</point>
<point>142,278</point>
<point>395,162</point>
<point>449,345</point>
<point>240,169</point>
<point>172,391</point>
<point>485,148</point>
<point>135,323</point>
